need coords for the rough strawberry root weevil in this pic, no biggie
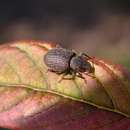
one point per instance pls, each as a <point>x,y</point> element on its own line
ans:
<point>64,61</point>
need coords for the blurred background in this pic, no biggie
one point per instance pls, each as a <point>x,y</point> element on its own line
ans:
<point>99,27</point>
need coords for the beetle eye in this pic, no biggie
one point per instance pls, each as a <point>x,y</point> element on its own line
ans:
<point>79,64</point>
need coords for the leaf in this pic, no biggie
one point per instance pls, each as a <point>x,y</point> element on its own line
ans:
<point>32,110</point>
<point>34,99</point>
<point>22,65</point>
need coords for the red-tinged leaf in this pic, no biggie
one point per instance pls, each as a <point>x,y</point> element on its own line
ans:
<point>42,111</point>
<point>32,98</point>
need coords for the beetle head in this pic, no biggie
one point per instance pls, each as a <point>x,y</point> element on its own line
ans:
<point>80,64</point>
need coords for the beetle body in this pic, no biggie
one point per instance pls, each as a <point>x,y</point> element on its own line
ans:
<point>58,59</point>
<point>61,60</point>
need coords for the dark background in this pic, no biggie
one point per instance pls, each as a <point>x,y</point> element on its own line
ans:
<point>99,27</point>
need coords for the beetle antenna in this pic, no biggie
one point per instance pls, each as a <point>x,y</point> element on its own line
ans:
<point>87,56</point>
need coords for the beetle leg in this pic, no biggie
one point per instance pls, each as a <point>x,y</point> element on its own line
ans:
<point>92,75</point>
<point>79,75</point>
<point>73,75</point>
<point>62,77</point>
<point>49,70</point>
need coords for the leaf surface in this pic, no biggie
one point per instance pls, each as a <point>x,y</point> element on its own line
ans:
<point>31,95</point>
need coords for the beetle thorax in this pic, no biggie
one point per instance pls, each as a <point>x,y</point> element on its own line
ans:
<point>80,64</point>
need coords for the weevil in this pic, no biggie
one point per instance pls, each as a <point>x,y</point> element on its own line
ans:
<point>64,61</point>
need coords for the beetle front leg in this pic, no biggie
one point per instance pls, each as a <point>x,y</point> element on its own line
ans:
<point>92,75</point>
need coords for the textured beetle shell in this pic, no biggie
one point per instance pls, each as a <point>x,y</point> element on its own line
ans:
<point>58,59</point>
